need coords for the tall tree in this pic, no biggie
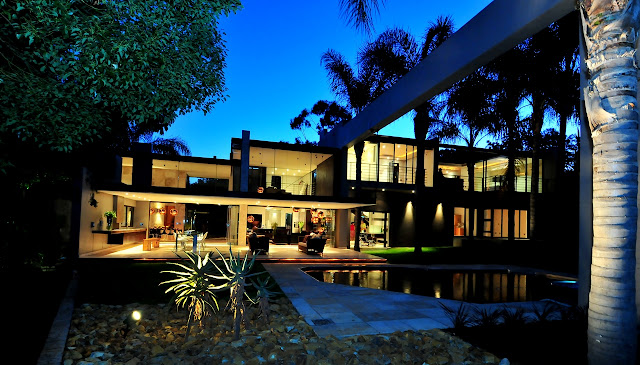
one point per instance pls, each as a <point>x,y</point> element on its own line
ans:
<point>323,116</point>
<point>610,30</point>
<point>469,119</point>
<point>564,95</point>
<point>510,90</point>
<point>69,66</point>
<point>550,73</point>
<point>392,55</point>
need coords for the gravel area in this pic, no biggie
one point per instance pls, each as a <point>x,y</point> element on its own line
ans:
<point>104,334</point>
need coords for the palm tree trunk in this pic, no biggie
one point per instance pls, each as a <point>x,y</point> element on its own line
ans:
<point>537,120</point>
<point>420,130</point>
<point>562,152</point>
<point>358,148</point>
<point>472,216</point>
<point>511,187</point>
<point>611,104</point>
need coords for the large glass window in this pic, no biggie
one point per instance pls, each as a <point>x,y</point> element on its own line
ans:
<point>389,163</point>
<point>127,170</point>
<point>491,175</point>
<point>496,223</point>
<point>285,171</point>
<point>128,212</point>
<point>369,162</point>
<point>387,172</point>
<point>181,174</point>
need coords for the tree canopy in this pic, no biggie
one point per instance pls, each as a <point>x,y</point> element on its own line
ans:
<point>72,72</point>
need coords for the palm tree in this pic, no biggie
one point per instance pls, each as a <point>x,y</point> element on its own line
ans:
<point>566,82</point>
<point>508,92</point>
<point>469,119</point>
<point>550,59</point>
<point>356,90</point>
<point>165,146</point>
<point>392,55</point>
<point>358,13</point>
<point>610,31</point>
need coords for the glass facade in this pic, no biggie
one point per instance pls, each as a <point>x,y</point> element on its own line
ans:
<point>490,175</point>
<point>496,223</point>
<point>388,163</point>
<point>181,174</point>
<point>284,171</point>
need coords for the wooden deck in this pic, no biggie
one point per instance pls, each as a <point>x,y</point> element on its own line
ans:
<point>277,253</point>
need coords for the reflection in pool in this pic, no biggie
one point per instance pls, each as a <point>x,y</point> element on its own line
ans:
<point>470,286</point>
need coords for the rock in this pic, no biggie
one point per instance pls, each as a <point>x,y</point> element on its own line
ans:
<point>133,361</point>
<point>96,337</point>
<point>96,355</point>
<point>75,355</point>
<point>272,357</point>
<point>238,343</point>
<point>156,350</point>
<point>490,358</point>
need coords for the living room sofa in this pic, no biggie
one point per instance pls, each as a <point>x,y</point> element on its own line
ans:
<point>259,244</point>
<point>312,245</point>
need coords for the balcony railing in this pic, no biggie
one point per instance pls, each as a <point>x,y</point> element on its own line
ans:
<point>383,173</point>
<point>405,175</point>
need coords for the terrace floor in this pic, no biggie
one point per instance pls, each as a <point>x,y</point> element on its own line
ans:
<point>342,310</point>
<point>277,253</point>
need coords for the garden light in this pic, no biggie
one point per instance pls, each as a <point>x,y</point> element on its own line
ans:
<point>136,315</point>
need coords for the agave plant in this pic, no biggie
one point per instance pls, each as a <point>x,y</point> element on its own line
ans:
<point>263,294</point>
<point>545,313</point>
<point>460,318</point>
<point>236,272</point>
<point>194,287</point>
<point>486,317</point>
<point>513,318</point>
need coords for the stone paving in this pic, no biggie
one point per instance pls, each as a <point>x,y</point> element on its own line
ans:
<point>341,310</point>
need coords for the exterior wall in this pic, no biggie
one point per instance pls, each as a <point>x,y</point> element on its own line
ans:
<point>171,178</point>
<point>325,177</point>
<point>92,218</point>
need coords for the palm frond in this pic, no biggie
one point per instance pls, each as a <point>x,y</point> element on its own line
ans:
<point>437,33</point>
<point>358,13</point>
<point>170,146</point>
<point>341,76</point>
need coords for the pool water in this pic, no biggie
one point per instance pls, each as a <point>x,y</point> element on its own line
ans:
<point>471,286</point>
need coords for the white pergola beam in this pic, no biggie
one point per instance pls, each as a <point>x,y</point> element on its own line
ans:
<point>499,27</point>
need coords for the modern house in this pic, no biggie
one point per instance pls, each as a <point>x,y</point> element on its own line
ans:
<point>288,190</point>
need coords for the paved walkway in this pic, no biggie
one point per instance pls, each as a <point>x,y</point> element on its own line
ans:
<point>341,310</point>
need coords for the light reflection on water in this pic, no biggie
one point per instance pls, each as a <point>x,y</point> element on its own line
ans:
<point>468,286</point>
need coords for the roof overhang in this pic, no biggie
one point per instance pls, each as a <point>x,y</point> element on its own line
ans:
<point>271,200</point>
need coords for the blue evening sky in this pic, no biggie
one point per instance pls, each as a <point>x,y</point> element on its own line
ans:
<point>274,71</point>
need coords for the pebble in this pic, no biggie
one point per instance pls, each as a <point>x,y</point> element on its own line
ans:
<point>159,338</point>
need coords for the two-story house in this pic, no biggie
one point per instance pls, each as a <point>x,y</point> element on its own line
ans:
<point>291,189</point>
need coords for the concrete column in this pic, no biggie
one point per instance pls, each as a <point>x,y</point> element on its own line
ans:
<point>359,148</point>
<point>342,227</point>
<point>244,162</point>
<point>242,225</point>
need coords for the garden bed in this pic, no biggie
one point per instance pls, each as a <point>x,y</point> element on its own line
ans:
<point>102,332</point>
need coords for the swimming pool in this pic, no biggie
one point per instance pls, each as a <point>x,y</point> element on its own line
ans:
<point>473,286</point>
